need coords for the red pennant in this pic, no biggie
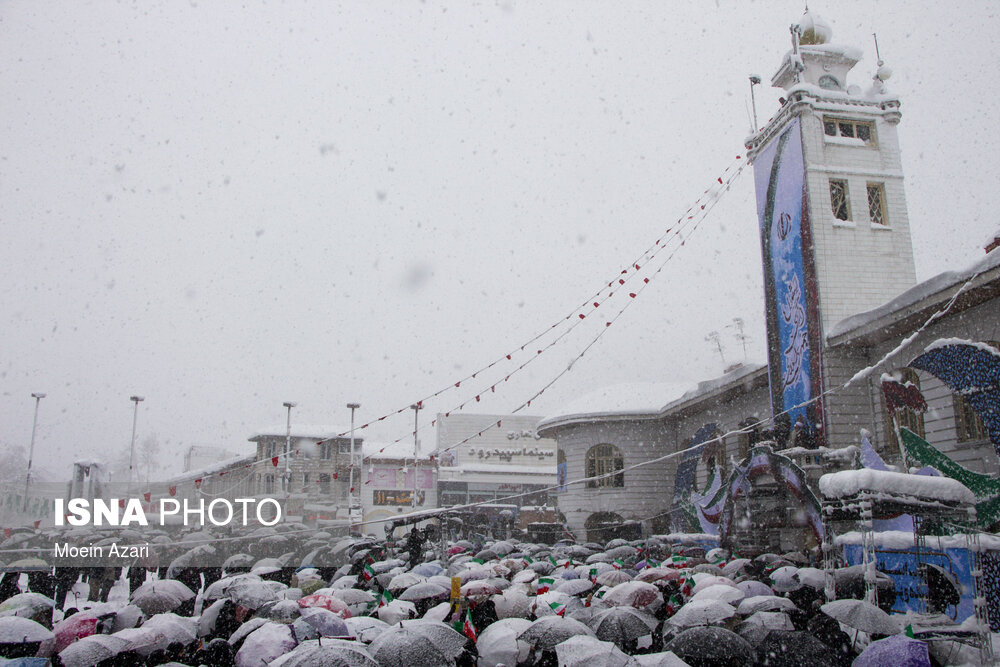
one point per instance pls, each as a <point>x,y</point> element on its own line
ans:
<point>7,532</point>
<point>621,282</point>
<point>222,473</point>
<point>146,496</point>
<point>498,423</point>
<point>636,267</point>
<point>477,398</point>
<point>38,522</point>
<point>719,180</point>
<point>121,503</point>
<point>173,491</point>
<point>607,324</point>
<point>596,305</point>
<point>197,483</point>
<point>274,461</point>
<point>508,357</point>
<point>645,280</point>
<point>582,316</point>
<point>632,294</point>
<point>335,475</point>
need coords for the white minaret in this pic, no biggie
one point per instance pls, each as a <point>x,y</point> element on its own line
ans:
<point>835,236</point>
<point>854,178</point>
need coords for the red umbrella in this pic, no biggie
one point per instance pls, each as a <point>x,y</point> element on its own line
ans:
<point>75,627</point>
<point>325,602</point>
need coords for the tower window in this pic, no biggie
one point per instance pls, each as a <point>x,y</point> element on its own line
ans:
<point>838,200</point>
<point>876,204</point>
<point>968,424</point>
<point>851,129</point>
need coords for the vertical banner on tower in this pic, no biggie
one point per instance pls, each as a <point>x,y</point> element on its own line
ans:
<point>793,326</point>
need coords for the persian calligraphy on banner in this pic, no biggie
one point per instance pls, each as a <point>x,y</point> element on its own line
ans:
<point>793,329</point>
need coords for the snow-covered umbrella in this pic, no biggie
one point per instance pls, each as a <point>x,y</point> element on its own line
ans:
<point>576,586</point>
<point>613,578</point>
<point>730,594</point>
<point>264,644</point>
<point>326,653</point>
<point>512,603</point>
<point>27,604</point>
<point>217,589</point>
<point>423,591</point>
<point>403,581</point>
<point>92,650</point>
<point>756,627</point>
<point>751,605</point>
<point>327,602</point>
<point>620,624</point>
<point>632,593</point>
<point>753,588</point>
<point>326,622</point>
<point>77,626</point>
<point>152,600</point>
<point>251,594</point>
<point>417,643</point>
<point>22,637</point>
<point>789,648</point>
<point>861,615</point>
<point>396,611</point>
<point>702,612</point>
<point>711,646</point>
<point>662,659</point>
<point>548,631</point>
<point>428,569</point>
<point>894,651</point>
<point>584,651</point>
<point>499,644</point>
<point>365,628</point>
<point>480,588</point>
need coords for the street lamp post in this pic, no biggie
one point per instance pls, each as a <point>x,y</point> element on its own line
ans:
<point>288,448</point>
<point>350,489</point>
<point>31,450</point>
<point>135,420</point>
<point>416,412</point>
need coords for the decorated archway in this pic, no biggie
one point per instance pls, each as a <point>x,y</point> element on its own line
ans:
<point>716,508</point>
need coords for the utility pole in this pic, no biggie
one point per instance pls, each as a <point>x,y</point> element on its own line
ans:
<point>31,450</point>
<point>131,457</point>
<point>350,499</point>
<point>416,407</point>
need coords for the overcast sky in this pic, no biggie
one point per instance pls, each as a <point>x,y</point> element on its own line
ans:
<point>223,206</point>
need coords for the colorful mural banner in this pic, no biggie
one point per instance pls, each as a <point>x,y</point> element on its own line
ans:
<point>682,517</point>
<point>971,369</point>
<point>793,328</point>
<point>902,566</point>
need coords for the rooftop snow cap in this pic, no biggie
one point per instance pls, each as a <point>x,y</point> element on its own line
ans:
<point>814,29</point>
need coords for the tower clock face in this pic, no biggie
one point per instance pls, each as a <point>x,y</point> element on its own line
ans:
<point>829,82</point>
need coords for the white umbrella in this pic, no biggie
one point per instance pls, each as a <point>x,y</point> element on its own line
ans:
<point>264,644</point>
<point>365,628</point>
<point>861,615</point>
<point>498,643</point>
<point>728,594</point>
<point>757,603</point>
<point>665,659</point>
<point>326,653</point>
<point>633,594</point>
<point>702,612</point>
<point>584,651</point>
<point>512,603</point>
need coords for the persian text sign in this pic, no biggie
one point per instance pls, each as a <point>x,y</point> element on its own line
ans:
<point>789,279</point>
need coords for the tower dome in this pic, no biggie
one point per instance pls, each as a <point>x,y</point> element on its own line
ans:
<point>814,29</point>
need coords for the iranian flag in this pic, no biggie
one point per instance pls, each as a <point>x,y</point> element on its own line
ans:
<point>558,607</point>
<point>369,572</point>
<point>687,586</point>
<point>553,561</point>
<point>593,574</point>
<point>385,598</point>
<point>527,560</point>
<point>618,564</point>
<point>544,584</point>
<point>468,629</point>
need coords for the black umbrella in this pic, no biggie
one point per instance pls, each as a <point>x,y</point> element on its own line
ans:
<point>788,648</point>
<point>622,624</point>
<point>711,647</point>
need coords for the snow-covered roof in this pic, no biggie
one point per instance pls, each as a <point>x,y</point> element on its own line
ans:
<point>643,401</point>
<point>634,400</point>
<point>396,451</point>
<point>235,461</point>
<point>299,431</point>
<point>848,483</point>
<point>928,294</point>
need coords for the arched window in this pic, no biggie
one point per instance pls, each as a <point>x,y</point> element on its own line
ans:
<point>907,418</point>
<point>601,462</point>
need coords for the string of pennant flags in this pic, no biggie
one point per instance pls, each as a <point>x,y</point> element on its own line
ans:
<point>671,239</point>
<point>692,217</point>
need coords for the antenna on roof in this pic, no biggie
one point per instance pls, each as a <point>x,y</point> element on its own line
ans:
<point>877,56</point>
<point>713,336</point>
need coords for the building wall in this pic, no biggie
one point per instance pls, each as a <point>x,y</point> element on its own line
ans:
<point>980,323</point>
<point>859,264</point>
